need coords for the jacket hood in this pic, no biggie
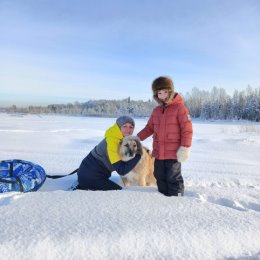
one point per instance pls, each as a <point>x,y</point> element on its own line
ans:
<point>114,132</point>
<point>113,136</point>
<point>176,99</point>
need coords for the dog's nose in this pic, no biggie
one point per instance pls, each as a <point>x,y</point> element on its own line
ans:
<point>130,152</point>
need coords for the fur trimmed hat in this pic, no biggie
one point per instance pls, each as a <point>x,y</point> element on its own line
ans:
<point>125,119</point>
<point>162,83</point>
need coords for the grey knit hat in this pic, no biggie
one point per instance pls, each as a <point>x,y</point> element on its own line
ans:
<point>125,119</point>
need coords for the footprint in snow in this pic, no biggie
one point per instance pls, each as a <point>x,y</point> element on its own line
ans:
<point>234,204</point>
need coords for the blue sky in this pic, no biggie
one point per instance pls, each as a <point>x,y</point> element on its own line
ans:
<point>66,51</point>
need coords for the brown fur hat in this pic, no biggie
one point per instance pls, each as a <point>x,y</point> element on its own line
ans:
<point>162,83</point>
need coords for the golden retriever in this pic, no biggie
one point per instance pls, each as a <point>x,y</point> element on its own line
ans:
<point>142,174</point>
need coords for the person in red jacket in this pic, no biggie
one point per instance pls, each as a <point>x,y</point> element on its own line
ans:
<point>171,127</point>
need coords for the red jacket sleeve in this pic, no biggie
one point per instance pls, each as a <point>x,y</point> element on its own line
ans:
<point>185,125</point>
<point>148,129</point>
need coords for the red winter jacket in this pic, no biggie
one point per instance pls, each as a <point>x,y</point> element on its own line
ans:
<point>171,128</point>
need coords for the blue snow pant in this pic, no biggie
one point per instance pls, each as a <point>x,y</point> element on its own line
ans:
<point>93,175</point>
<point>168,177</point>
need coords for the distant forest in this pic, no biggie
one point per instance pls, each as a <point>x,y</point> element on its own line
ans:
<point>215,104</point>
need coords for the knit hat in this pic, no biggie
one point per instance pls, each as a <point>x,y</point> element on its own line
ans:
<point>125,119</point>
<point>162,83</point>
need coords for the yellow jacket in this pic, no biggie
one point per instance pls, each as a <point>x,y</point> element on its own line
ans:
<point>113,137</point>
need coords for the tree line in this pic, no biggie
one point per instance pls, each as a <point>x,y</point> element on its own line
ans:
<point>100,108</point>
<point>215,104</point>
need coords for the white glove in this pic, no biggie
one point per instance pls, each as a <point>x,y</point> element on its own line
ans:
<point>183,154</point>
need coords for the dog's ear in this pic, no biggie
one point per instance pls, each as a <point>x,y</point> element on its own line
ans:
<point>119,150</point>
<point>139,147</point>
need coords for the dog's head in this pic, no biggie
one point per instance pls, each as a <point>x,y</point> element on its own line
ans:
<point>129,147</point>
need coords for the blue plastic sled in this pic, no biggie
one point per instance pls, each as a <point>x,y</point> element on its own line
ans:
<point>21,176</point>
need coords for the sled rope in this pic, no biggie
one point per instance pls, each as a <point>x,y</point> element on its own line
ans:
<point>61,176</point>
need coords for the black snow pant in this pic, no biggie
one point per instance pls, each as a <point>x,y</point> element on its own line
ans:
<point>93,175</point>
<point>168,176</point>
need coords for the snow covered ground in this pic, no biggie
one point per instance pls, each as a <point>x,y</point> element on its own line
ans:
<point>218,218</point>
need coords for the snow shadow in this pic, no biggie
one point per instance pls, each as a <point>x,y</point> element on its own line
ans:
<point>148,189</point>
<point>245,257</point>
<point>9,197</point>
<point>5,201</point>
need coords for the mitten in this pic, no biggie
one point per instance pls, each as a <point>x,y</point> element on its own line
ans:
<point>183,154</point>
